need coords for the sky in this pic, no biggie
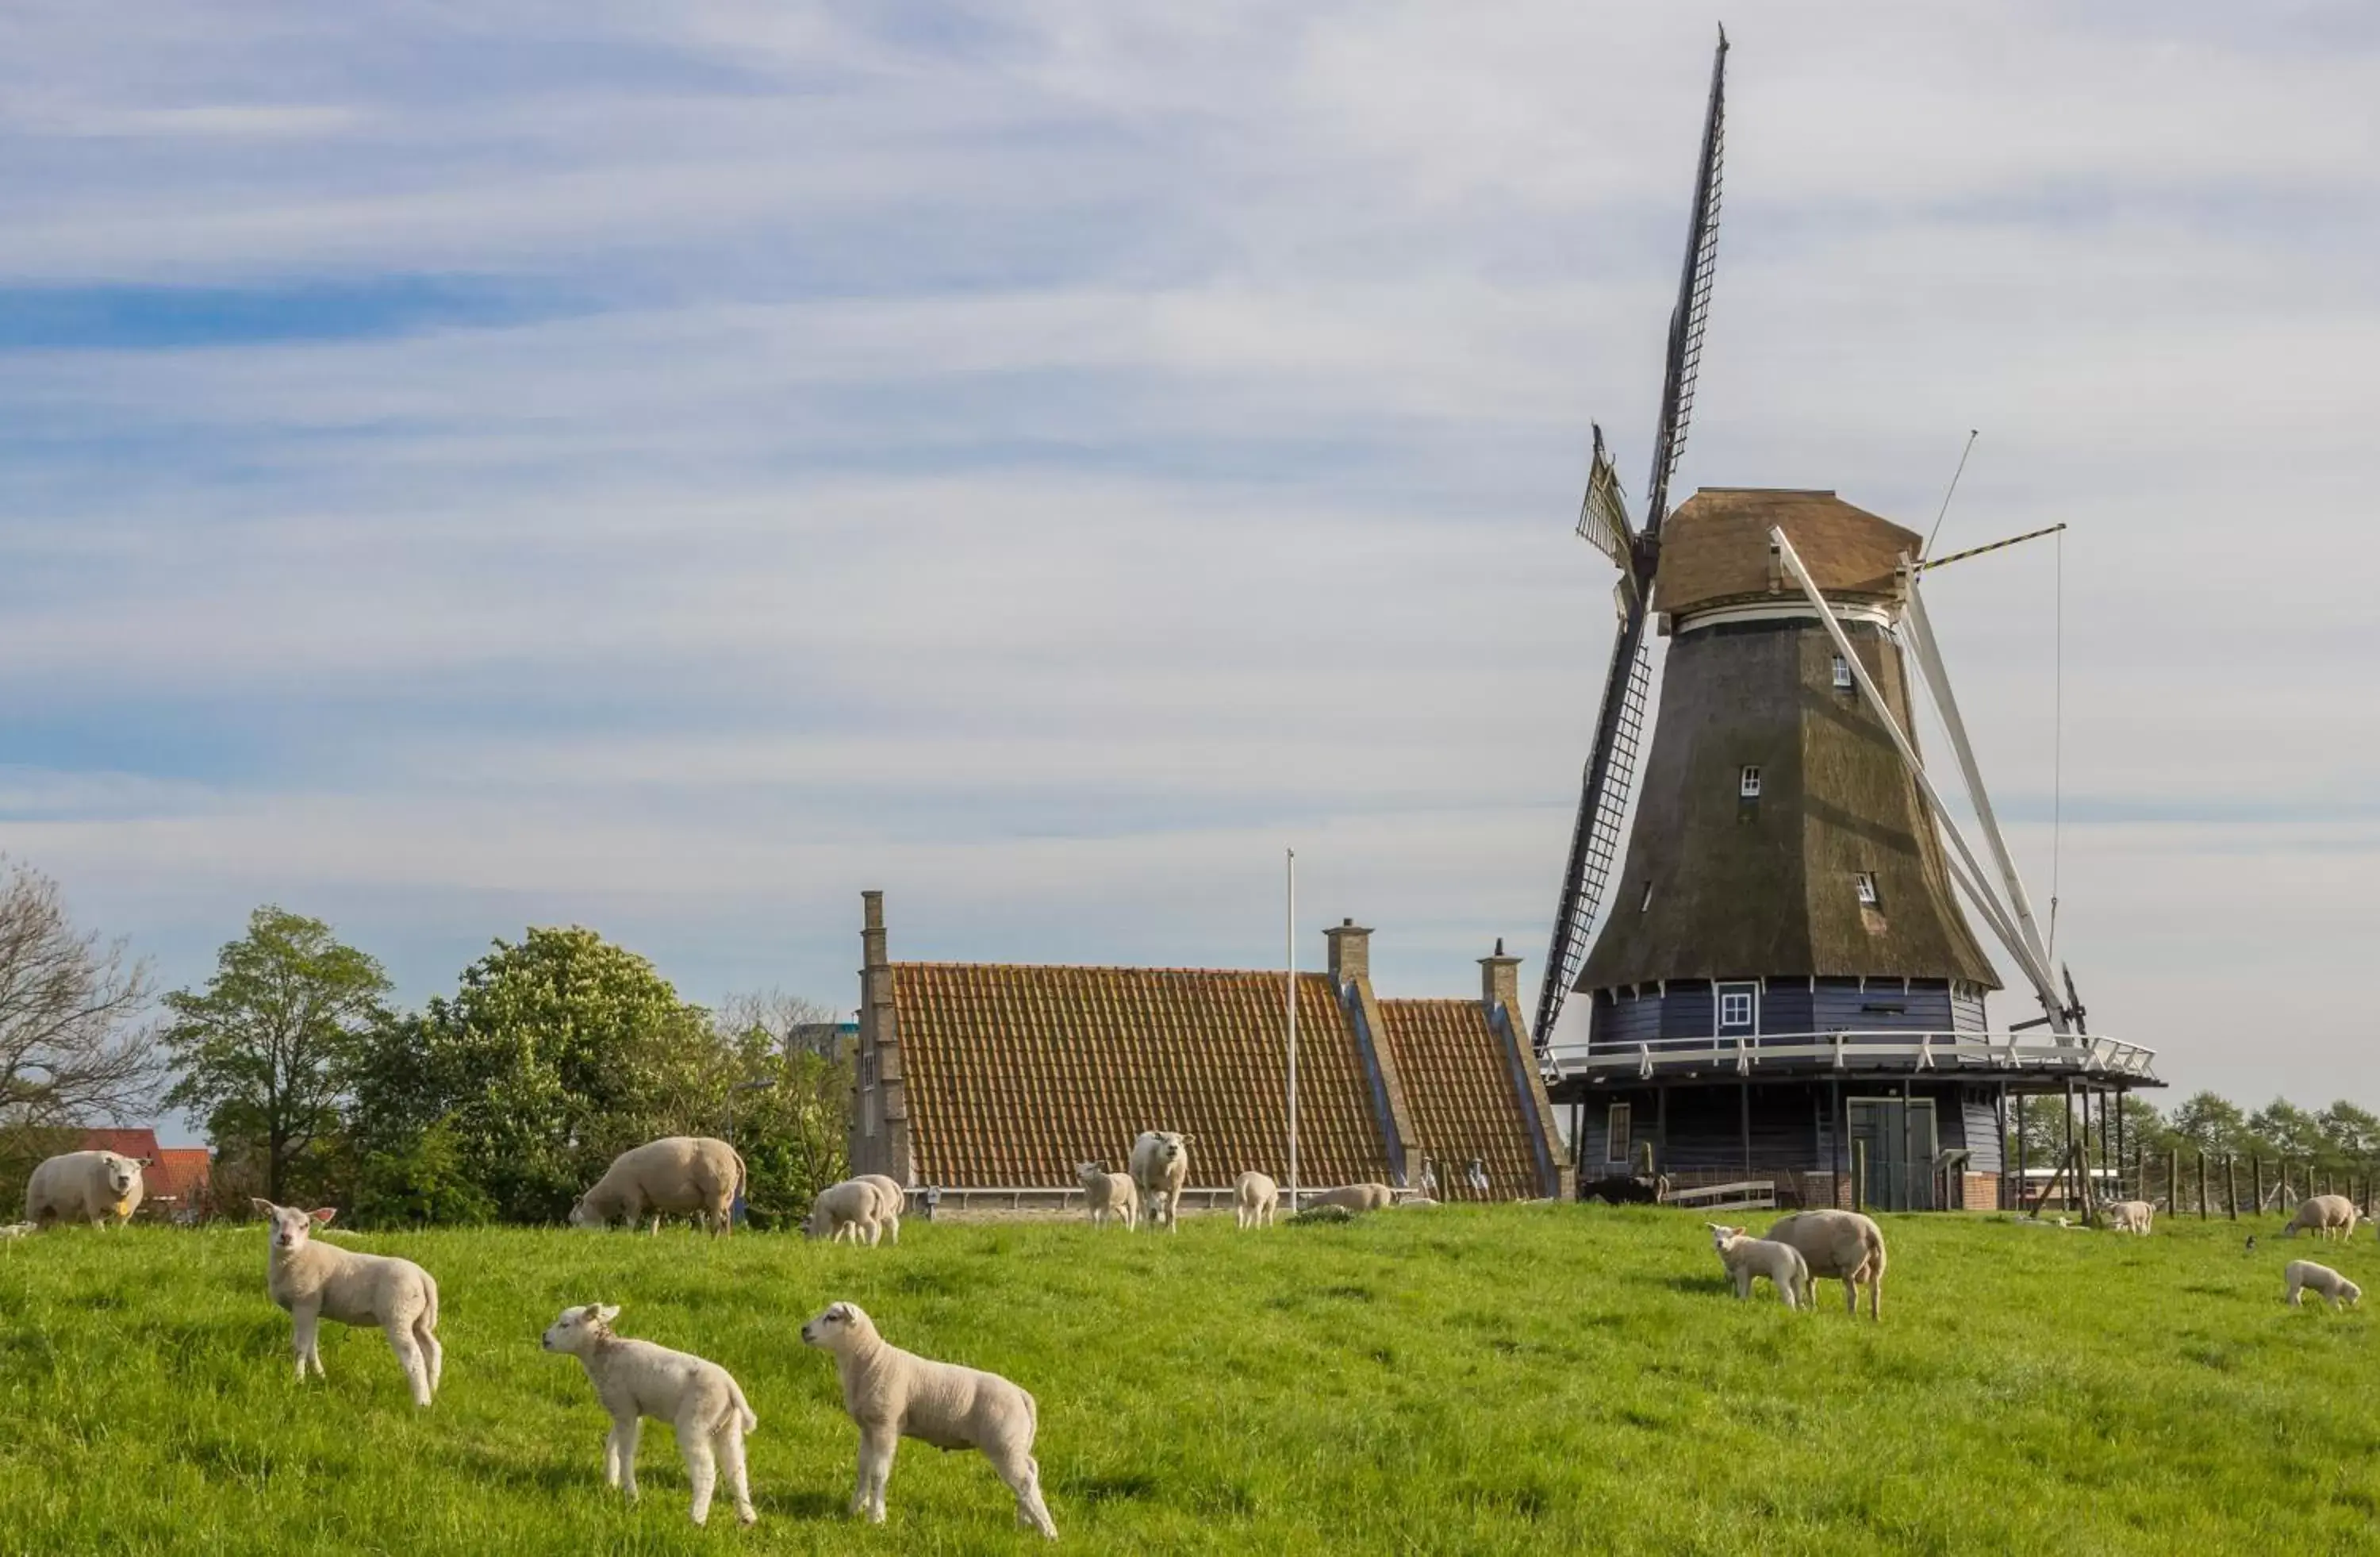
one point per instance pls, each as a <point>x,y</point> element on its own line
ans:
<point>670,468</point>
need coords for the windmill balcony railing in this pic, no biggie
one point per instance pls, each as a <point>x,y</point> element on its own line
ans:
<point>1754,1053</point>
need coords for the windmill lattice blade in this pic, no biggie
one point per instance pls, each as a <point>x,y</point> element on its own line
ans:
<point>1602,805</point>
<point>1603,512</point>
<point>1692,316</point>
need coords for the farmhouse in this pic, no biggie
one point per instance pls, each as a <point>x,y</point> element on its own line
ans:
<point>984,1076</point>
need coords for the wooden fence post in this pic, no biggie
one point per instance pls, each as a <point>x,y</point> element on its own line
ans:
<point>2230,1186</point>
<point>1859,1175</point>
<point>2202,1185</point>
<point>2256,1181</point>
<point>2173,1180</point>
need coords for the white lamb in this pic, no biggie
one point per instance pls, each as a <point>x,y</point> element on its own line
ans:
<point>2304,1274</point>
<point>1356,1198</point>
<point>18,1230</point>
<point>1108,1197</point>
<point>2131,1216</point>
<point>851,1207</point>
<point>1255,1198</point>
<point>635,1379</point>
<point>314,1282</point>
<point>1160,1166</point>
<point>1747,1258</point>
<point>1844,1244</point>
<point>2325,1215</point>
<point>891,1201</point>
<point>893,1394</point>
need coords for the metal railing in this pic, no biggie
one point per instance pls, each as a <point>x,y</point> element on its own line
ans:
<point>1750,1053</point>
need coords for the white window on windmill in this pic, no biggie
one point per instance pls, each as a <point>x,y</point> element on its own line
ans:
<point>1747,783</point>
<point>1616,1134</point>
<point>1842,674</point>
<point>1735,1009</point>
<point>1865,882</point>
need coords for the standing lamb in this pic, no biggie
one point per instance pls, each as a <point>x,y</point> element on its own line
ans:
<point>893,1394</point>
<point>1844,1244</point>
<point>100,1187</point>
<point>1356,1198</point>
<point>1747,1258</point>
<point>850,1207</point>
<point>673,1176</point>
<point>2131,1216</point>
<point>1255,1198</point>
<point>635,1379</point>
<point>891,1201</point>
<point>2324,1215</point>
<point>314,1282</point>
<point>1160,1165</point>
<point>2304,1273</point>
<point>1108,1197</point>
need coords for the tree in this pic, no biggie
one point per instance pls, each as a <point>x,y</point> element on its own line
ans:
<point>2210,1124</point>
<point>70,1048</point>
<point>2352,1132</point>
<point>792,1096</point>
<point>2281,1128</point>
<point>268,1051</point>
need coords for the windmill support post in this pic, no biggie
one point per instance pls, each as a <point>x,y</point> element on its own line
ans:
<point>1835,1154</point>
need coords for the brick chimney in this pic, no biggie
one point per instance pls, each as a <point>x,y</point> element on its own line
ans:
<point>1499,980</point>
<point>880,1115</point>
<point>1351,952</point>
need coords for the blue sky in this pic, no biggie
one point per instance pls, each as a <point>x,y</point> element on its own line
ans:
<point>670,468</point>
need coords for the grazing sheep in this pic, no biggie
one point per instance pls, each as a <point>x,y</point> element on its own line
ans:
<point>891,1201</point>
<point>1356,1197</point>
<point>635,1379</point>
<point>673,1176</point>
<point>1108,1197</point>
<point>1160,1165</point>
<point>1255,1198</point>
<point>314,1282</point>
<point>893,1394</point>
<point>2131,1216</point>
<point>1747,1258</point>
<point>1844,1244</point>
<point>1621,1189</point>
<point>850,1207</point>
<point>2325,1215</point>
<point>2303,1274</point>
<point>100,1187</point>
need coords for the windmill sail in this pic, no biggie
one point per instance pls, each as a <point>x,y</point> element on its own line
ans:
<point>1610,774</point>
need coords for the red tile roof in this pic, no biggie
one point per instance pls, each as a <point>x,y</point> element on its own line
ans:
<point>134,1144</point>
<point>174,1172</point>
<point>1014,1074</point>
<point>1459,1088</point>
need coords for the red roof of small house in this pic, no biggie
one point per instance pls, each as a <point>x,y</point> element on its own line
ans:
<point>136,1143</point>
<point>180,1173</point>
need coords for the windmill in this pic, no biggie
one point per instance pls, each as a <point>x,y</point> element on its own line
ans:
<point>1788,921</point>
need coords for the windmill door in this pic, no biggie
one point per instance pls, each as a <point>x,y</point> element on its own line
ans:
<point>1900,1138</point>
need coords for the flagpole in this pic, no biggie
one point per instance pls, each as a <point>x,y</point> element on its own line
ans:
<point>1289,1002</point>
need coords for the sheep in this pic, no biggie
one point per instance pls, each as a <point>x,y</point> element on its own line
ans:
<point>2303,1274</point>
<point>1747,1258</point>
<point>1108,1197</point>
<point>1160,1165</point>
<point>313,1282</point>
<point>16,1230</point>
<point>1620,1189</point>
<point>850,1207</point>
<point>1255,1198</point>
<point>100,1187</point>
<point>1844,1244</point>
<point>891,1201</point>
<point>671,1176</point>
<point>634,1379</point>
<point>2324,1214</point>
<point>2131,1216</point>
<point>1356,1197</point>
<point>891,1394</point>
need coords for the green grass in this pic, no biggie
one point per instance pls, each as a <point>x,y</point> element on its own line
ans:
<point>1509,1379</point>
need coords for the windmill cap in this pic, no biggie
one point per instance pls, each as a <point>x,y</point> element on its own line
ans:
<point>1715,547</point>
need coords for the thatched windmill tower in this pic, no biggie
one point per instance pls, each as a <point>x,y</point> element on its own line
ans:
<point>1779,965</point>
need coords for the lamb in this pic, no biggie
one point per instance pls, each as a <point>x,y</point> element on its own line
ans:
<point>2131,1216</point>
<point>1356,1198</point>
<point>1747,1258</point>
<point>1844,1244</point>
<point>100,1187</point>
<point>891,1201</point>
<point>18,1230</point>
<point>314,1282</point>
<point>891,1394</point>
<point>635,1379</point>
<point>1160,1165</point>
<point>850,1207</point>
<point>1108,1197</point>
<point>2324,1214</point>
<point>1255,1198</point>
<point>2303,1274</point>
<point>673,1176</point>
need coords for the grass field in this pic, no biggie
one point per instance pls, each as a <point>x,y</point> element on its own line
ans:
<point>1507,1380</point>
